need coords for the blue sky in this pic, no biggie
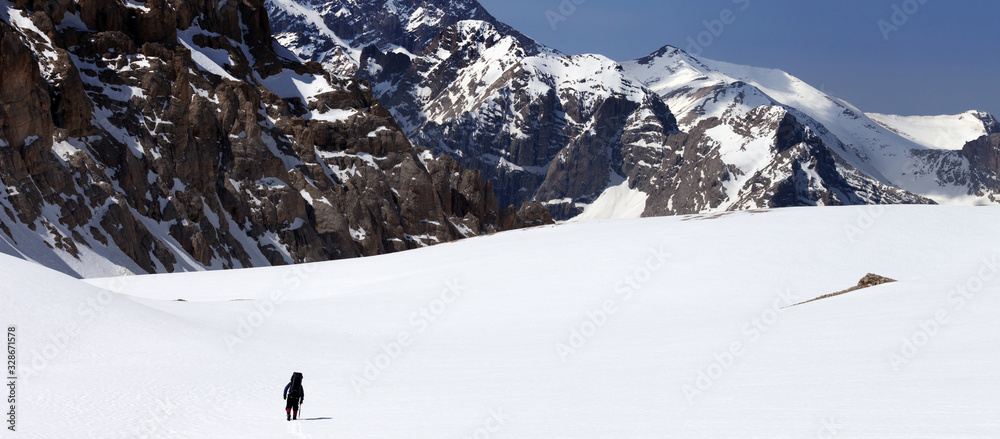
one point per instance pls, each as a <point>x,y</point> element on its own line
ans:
<point>940,57</point>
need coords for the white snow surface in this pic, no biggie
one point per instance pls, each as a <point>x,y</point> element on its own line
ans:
<point>616,202</point>
<point>660,304</point>
<point>936,132</point>
<point>289,85</point>
<point>315,20</point>
<point>210,60</point>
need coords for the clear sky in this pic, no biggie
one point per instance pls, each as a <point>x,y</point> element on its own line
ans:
<point>928,57</point>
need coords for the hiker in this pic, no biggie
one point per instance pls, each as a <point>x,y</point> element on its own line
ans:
<point>294,396</point>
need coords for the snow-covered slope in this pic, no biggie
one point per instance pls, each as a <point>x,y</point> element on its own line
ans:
<point>940,132</point>
<point>660,327</point>
<point>686,80</point>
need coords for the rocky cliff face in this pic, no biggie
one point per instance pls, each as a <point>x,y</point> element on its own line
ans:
<point>546,127</point>
<point>176,135</point>
<point>983,155</point>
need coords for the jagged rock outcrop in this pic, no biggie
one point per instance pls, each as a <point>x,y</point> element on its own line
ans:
<point>529,215</point>
<point>176,135</point>
<point>983,155</point>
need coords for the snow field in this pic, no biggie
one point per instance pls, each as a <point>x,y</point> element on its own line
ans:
<point>935,132</point>
<point>666,327</point>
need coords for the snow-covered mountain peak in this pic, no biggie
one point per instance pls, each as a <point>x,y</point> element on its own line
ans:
<point>335,32</point>
<point>553,128</point>
<point>413,16</point>
<point>670,68</point>
<point>918,154</point>
<point>591,75</point>
<point>472,39</point>
<point>664,51</point>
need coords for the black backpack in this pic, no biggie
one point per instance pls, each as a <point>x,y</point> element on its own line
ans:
<point>295,390</point>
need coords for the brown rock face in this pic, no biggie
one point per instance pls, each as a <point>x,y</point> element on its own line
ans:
<point>25,110</point>
<point>983,155</point>
<point>531,214</point>
<point>168,135</point>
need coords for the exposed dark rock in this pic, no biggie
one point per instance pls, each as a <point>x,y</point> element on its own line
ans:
<point>983,155</point>
<point>870,280</point>
<point>531,214</point>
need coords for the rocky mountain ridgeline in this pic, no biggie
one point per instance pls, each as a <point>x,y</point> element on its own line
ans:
<point>673,132</point>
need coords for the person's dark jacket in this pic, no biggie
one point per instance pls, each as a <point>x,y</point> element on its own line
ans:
<point>301,393</point>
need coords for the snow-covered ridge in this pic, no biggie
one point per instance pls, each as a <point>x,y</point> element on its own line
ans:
<point>940,132</point>
<point>893,150</point>
<point>307,27</point>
